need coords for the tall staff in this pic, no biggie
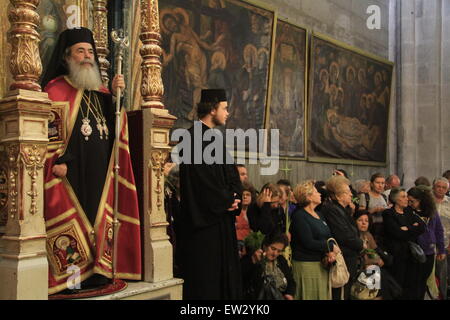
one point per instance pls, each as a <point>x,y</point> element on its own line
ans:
<point>121,43</point>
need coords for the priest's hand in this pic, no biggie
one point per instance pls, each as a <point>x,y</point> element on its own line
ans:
<point>59,170</point>
<point>118,82</point>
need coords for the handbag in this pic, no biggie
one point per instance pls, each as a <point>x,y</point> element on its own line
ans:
<point>359,291</point>
<point>338,273</point>
<point>268,289</point>
<point>365,288</point>
<point>417,252</point>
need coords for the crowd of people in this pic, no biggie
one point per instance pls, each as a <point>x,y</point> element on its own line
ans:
<point>393,241</point>
<point>315,240</point>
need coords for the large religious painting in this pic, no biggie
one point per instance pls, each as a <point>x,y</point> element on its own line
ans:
<point>350,93</point>
<point>56,16</point>
<point>288,96</point>
<point>216,44</point>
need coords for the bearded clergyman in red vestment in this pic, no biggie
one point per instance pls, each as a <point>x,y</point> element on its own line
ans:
<point>79,178</point>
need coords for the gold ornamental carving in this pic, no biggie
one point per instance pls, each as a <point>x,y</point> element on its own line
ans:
<point>33,157</point>
<point>100,31</point>
<point>150,16</point>
<point>152,88</point>
<point>25,61</point>
<point>158,158</point>
<point>3,189</point>
<point>13,174</point>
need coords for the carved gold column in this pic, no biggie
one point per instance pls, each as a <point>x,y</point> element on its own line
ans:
<point>25,63</point>
<point>100,30</point>
<point>152,87</point>
<point>24,114</point>
<point>157,123</point>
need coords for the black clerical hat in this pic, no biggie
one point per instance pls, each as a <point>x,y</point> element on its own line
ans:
<point>57,65</point>
<point>213,95</point>
<point>76,35</point>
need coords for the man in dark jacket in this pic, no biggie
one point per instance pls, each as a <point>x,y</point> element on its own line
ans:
<point>210,194</point>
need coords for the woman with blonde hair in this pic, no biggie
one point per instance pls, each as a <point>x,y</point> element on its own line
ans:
<point>309,245</point>
<point>337,214</point>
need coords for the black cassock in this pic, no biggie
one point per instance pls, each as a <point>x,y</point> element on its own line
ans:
<point>87,160</point>
<point>207,235</point>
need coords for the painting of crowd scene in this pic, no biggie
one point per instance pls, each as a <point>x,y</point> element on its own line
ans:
<point>349,103</point>
<point>287,105</point>
<point>216,44</point>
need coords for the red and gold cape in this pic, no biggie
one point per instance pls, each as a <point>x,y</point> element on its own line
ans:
<point>73,244</point>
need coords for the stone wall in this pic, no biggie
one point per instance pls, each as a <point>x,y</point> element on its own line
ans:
<point>424,48</point>
<point>344,20</point>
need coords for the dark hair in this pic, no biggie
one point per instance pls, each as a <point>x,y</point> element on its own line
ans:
<point>284,182</point>
<point>240,166</point>
<point>446,174</point>
<point>204,108</point>
<point>422,181</point>
<point>276,237</point>
<point>247,186</point>
<point>319,184</point>
<point>427,204</point>
<point>394,193</point>
<point>375,176</point>
<point>360,213</point>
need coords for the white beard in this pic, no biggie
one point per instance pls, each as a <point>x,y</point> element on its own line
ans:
<point>84,77</point>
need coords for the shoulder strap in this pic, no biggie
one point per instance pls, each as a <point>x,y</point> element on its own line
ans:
<point>328,243</point>
<point>384,197</point>
<point>367,200</point>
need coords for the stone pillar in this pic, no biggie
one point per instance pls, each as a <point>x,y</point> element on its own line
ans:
<point>100,31</point>
<point>408,115</point>
<point>24,114</point>
<point>424,83</point>
<point>156,125</point>
<point>445,87</point>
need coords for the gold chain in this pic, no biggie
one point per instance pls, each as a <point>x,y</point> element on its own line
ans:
<point>97,112</point>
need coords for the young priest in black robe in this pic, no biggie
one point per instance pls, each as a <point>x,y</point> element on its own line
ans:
<point>210,200</point>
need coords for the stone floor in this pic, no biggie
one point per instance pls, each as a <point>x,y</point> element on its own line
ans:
<point>164,290</point>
